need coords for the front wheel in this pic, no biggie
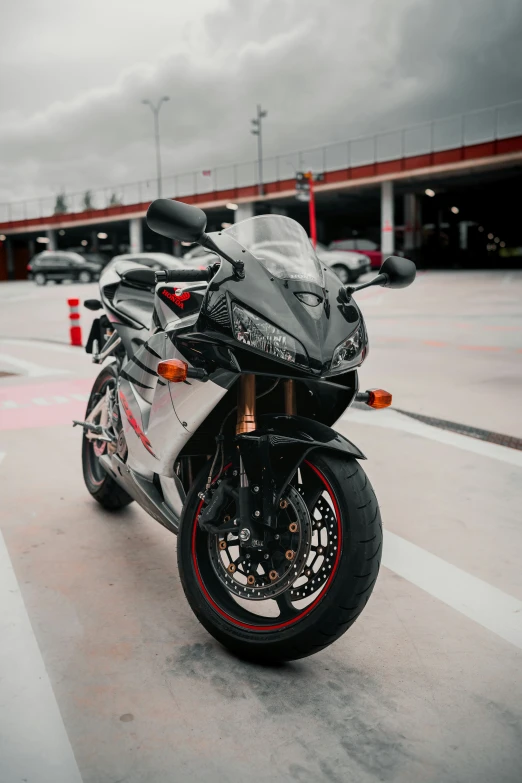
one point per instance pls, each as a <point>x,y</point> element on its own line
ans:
<point>310,580</point>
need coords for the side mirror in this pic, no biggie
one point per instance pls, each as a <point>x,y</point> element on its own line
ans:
<point>400,272</point>
<point>176,220</point>
<point>93,304</point>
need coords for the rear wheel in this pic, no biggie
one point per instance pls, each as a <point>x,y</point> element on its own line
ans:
<point>102,487</point>
<point>310,581</point>
<point>40,278</point>
<point>84,277</point>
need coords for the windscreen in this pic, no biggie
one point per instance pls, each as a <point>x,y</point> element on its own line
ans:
<point>281,245</point>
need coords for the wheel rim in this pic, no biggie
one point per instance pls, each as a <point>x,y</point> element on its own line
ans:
<point>96,449</point>
<point>39,279</point>
<point>309,586</point>
<point>85,277</point>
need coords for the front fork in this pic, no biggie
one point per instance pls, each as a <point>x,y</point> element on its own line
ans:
<point>256,495</point>
<point>246,422</point>
<point>246,402</point>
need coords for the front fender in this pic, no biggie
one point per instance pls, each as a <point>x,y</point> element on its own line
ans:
<point>272,453</point>
<point>281,429</point>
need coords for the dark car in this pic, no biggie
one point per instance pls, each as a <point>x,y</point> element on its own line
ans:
<point>59,265</point>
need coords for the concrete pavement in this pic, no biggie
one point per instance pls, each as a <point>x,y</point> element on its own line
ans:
<point>422,688</point>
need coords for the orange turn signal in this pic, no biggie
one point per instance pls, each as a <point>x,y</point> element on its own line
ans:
<point>378,398</point>
<point>173,370</point>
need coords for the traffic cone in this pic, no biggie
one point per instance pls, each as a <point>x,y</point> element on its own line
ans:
<point>75,328</point>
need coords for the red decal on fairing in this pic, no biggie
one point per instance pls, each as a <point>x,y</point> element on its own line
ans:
<point>178,299</point>
<point>134,424</point>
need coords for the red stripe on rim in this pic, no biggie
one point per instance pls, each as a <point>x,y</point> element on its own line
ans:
<point>307,609</point>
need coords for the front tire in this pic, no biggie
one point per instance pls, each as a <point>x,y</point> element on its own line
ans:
<point>347,529</point>
<point>101,486</point>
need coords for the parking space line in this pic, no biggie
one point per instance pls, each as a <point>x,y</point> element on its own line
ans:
<point>46,345</point>
<point>34,744</point>
<point>397,421</point>
<point>30,368</point>
<point>486,605</point>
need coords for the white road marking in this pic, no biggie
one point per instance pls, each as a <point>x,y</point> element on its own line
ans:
<point>34,745</point>
<point>397,421</point>
<point>30,368</point>
<point>55,399</point>
<point>57,348</point>
<point>486,605</point>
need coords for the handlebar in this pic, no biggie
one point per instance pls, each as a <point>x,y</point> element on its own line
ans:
<point>184,275</point>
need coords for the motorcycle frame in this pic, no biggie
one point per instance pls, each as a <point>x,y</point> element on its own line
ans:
<point>162,421</point>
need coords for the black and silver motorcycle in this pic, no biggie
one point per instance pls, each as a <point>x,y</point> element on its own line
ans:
<point>215,414</point>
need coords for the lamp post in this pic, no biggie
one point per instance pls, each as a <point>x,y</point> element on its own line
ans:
<point>256,130</point>
<point>155,111</point>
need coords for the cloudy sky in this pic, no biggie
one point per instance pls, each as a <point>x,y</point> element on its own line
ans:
<point>73,74</point>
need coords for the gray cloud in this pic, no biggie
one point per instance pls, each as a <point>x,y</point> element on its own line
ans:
<point>324,70</point>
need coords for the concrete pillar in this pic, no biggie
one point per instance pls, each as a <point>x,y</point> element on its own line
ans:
<point>244,211</point>
<point>10,259</point>
<point>51,236</point>
<point>387,224</point>
<point>412,221</point>
<point>136,239</point>
<point>463,233</point>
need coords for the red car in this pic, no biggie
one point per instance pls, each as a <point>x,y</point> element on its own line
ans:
<point>366,246</point>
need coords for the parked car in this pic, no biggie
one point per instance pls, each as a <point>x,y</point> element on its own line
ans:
<point>366,246</point>
<point>60,265</point>
<point>348,265</point>
<point>198,258</point>
<point>154,261</point>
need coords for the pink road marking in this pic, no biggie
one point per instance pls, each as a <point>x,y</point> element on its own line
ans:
<point>44,404</point>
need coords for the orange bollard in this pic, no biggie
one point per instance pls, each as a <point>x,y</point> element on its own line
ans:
<point>75,328</point>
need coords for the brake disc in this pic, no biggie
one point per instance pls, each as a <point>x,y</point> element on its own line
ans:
<point>258,575</point>
<point>323,551</point>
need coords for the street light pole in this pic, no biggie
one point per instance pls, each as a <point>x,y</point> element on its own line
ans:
<point>257,131</point>
<point>155,111</point>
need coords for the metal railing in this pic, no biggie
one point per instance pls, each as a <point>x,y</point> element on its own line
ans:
<point>474,127</point>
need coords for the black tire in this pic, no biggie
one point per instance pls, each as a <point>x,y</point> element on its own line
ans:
<point>102,487</point>
<point>340,600</point>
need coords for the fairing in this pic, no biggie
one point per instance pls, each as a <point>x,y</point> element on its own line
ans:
<point>319,328</point>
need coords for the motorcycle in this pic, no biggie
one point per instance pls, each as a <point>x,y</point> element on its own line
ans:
<point>215,413</point>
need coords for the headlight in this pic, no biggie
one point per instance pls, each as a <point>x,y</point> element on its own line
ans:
<point>351,352</point>
<point>252,330</point>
